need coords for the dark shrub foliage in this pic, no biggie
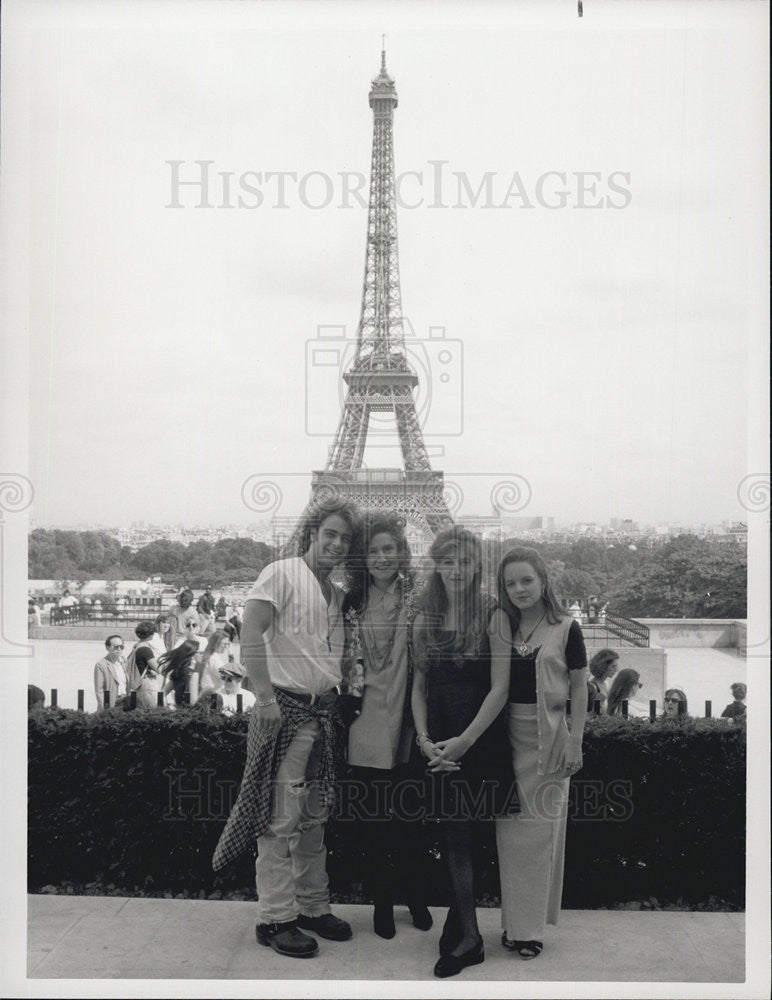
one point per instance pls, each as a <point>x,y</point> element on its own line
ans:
<point>138,800</point>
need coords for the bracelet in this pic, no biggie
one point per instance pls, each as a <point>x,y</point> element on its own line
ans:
<point>265,704</point>
<point>420,737</point>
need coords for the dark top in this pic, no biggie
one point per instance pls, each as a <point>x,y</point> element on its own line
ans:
<point>142,654</point>
<point>484,786</point>
<point>734,711</point>
<point>522,675</point>
<point>205,604</point>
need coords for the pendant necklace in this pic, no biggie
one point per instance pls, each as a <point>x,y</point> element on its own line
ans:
<point>524,649</point>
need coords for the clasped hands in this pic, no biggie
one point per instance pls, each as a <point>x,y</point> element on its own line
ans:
<point>445,754</point>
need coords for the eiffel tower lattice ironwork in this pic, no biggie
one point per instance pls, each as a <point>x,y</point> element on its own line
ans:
<point>380,378</point>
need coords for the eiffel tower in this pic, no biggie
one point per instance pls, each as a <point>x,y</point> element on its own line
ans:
<point>380,379</point>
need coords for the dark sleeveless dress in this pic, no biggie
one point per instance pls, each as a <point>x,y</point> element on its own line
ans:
<point>484,787</point>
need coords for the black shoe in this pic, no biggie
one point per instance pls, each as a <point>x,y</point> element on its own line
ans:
<point>451,965</point>
<point>451,933</point>
<point>383,920</point>
<point>286,939</point>
<point>326,926</point>
<point>422,919</point>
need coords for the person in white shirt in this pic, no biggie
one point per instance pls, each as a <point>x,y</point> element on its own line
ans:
<point>231,677</point>
<point>292,644</point>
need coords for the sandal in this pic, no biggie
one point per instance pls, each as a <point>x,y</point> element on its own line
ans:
<point>525,949</point>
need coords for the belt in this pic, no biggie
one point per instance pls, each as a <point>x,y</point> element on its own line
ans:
<point>305,699</point>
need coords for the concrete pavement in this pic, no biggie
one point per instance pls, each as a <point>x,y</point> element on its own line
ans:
<point>111,937</point>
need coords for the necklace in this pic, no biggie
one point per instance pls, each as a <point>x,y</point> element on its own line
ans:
<point>524,649</point>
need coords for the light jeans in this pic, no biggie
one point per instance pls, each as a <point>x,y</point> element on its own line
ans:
<point>291,866</point>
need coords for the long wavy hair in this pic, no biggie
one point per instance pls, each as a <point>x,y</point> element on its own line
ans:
<point>434,602</point>
<point>175,663</point>
<point>316,515</point>
<point>522,554</point>
<point>623,686</point>
<point>387,523</point>
<point>215,641</point>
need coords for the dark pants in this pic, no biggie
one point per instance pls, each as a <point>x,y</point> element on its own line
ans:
<point>389,807</point>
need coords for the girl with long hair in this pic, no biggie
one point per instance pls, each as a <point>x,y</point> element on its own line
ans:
<point>178,666</point>
<point>626,684</point>
<point>378,612</point>
<point>216,655</point>
<point>459,691</point>
<point>546,657</point>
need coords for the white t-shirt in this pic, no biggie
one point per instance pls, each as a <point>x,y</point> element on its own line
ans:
<point>305,640</point>
<point>230,704</point>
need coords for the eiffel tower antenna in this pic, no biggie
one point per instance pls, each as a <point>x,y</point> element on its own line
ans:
<point>380,378</point>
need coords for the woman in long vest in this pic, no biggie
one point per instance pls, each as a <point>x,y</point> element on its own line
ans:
<point>547,668</point>
<point>377,672</point>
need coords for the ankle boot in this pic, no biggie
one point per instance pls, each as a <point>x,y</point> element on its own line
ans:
<point>383,920</point>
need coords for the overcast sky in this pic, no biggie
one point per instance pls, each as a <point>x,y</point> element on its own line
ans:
<point>602,353</point>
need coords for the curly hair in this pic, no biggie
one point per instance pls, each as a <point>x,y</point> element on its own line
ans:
<point>318,512</point>
<point>389,523</point>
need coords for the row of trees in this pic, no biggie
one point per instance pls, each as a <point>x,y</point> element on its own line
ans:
<point>80,556</point>
<point>682,577</point>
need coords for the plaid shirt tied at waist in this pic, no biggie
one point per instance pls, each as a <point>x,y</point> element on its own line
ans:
<point>251,814</point>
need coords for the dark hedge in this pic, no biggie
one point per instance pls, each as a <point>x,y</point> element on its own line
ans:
<point>137,800</point>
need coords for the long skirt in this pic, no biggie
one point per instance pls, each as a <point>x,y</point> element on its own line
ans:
<point>531,845</point>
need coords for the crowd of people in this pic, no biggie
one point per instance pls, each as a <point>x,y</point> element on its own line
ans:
<point>180,656</point>
<point>450,704</point>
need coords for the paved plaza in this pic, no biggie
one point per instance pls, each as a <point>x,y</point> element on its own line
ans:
<point>84,937</point>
